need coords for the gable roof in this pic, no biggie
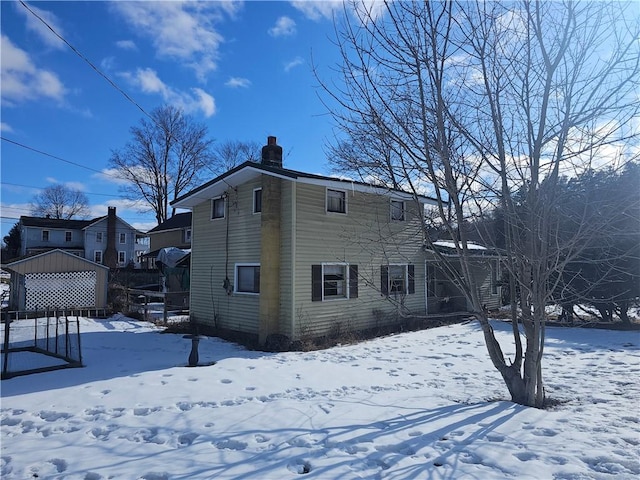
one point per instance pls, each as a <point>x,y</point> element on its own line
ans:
<point>15,264</point>
<point>179,220</point>
<point>56,222</point>
<point>250,170</point>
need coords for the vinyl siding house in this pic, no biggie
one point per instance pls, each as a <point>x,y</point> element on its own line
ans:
<point>174,232</point>
<point>281,252</point>
<point>107,240</point>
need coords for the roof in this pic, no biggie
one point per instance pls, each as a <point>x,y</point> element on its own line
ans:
<point>57,222</point>
<point>178,221</point>
<point>448,247</point>
<point>250,170</point>
<point>12,265</point>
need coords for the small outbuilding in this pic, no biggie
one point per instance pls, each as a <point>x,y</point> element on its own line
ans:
<point>57,279</point>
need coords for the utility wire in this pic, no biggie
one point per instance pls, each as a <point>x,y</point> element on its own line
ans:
<point>97,70</point>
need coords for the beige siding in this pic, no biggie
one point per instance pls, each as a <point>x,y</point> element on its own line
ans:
<point>170,238</point>
<point>217,245</point>
<point>365,236</point>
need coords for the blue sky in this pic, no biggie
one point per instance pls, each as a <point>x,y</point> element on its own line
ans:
<point>242,68</point>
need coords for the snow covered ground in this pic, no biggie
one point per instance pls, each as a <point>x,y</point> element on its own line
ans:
<point>420,405</point>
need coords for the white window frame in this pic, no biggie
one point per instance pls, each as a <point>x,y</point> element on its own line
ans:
<point>47,234</point>
<point>393,209</point>
<point>237,282</point>
<point>224,207</point>
<point>405,267</point>
<point>347,293</point>
<point>98,237</point>
<point>255,193</point>
<point>97,256</point>
<point>334,212</point>
<point>123,254</point>
<point>122,238</point>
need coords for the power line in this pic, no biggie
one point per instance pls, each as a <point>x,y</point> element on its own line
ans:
<point>97,70</point>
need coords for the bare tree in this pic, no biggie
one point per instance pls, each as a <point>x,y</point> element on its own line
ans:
<point>231,153</point>
<point>165,157</point>
<point>486,104</point>
<point>60,202</point>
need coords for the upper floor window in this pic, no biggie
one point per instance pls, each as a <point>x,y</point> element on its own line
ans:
<point>257,200</point>
<point>336,201</point>
<point>68,236</point>
<point>187,235</point>
<point>123,238</point>
<point>247,278</point>
<point>99,237</point>
<point>45,235</point>
<point>331,281</point>
<point>397,210</point>
<point>217,208</point>
<point>397,279</point>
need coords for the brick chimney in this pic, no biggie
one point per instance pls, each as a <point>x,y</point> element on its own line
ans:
<point>272,153</point>
<point>110,258</point>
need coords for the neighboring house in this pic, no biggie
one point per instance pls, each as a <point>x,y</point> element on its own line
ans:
<point>57,279</point>
<point>107,240</point>
<point>281,252</point>
<point>174,232</point>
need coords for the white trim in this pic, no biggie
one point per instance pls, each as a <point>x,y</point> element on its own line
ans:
<point>326,201</point>
<point>346,282</point>
<point>406,278</point>
<point>404,210</point>
<point>235,278</point>
<point>224,207</point>
<point>94,256</point>
<point>253,201</point>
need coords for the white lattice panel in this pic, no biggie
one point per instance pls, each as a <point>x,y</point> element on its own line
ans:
<point>62,290</point>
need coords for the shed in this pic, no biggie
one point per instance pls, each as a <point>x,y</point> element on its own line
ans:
<point>57,279</point>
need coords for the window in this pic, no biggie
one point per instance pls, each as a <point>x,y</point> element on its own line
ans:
<point>397,210</point>
<point>257,200</point>
<point>330,281</point>
<point>122,257</point>
<point>68,236</point>
<point>217,208</point>
<point>45,235</point>
<point>397,279</point>
<point>99,237</point>
<point>123,238</point>
<point>336,201</point>
<point>97,256</point>
<point>187,235</point>
<point>247,278</point>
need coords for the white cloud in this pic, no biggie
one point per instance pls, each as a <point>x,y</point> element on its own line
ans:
<point>5,127</point>
<point>238,82</point>
<point>317,10</point>
<point>126,45</point>
<point>40,29</point>
<point>284,27</point>
<point>179,31</point>
<point>22,80</point>
<point>293,63</point>
<point>108,63</point>
<point>148,81</point>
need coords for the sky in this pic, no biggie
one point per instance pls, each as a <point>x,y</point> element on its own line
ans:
<point>416,405</point>
<point>244,69</point>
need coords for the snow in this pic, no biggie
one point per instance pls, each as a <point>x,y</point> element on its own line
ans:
<point>424,404</point>
<point>448,244</point>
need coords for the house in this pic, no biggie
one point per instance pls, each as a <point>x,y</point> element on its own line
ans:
<point>281,252</point>
<point>106,240</point>
<point>57,279</point>
<point>174,232</point>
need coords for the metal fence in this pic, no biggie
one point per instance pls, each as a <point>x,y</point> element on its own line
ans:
<point>40,341</point>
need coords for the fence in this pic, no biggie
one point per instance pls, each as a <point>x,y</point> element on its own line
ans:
<point>155,305</point>
<point>40,341</point>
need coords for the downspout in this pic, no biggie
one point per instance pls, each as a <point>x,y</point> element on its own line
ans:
<point>293,259</point>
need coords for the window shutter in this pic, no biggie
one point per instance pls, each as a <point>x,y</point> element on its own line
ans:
<point>384,279</point>
<point>316,283</point>
<point>412,280</point>
<point>353,281</point>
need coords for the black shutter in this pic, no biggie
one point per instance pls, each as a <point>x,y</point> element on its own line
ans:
<point>316,283</point>
<point>353,281</point>
<point>384,279</point>
<point>412,280</point>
